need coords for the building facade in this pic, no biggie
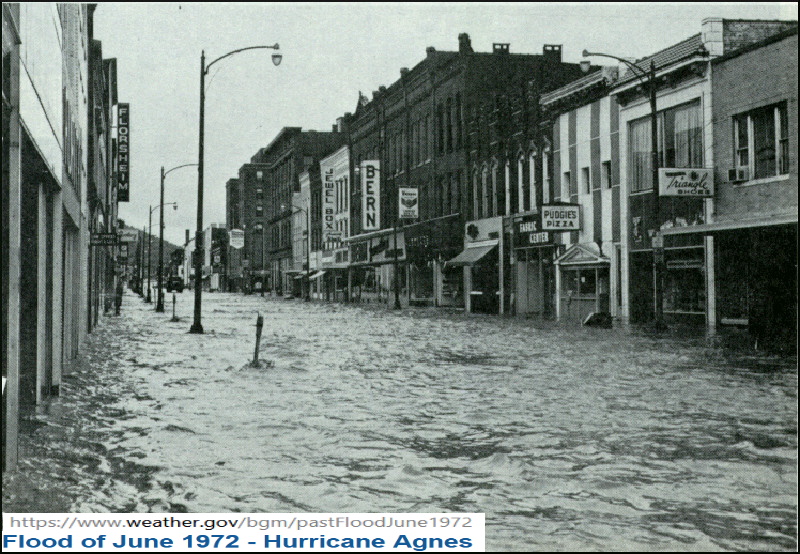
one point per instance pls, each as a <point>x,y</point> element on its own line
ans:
<point>754,222</point>
<point>290,153</point>
<point>459,128</point>
<point>569,267</point>
<point>57,108</point>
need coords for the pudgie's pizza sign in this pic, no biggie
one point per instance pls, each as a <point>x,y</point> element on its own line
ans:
<point>561,217</point>
<point>696,182</point>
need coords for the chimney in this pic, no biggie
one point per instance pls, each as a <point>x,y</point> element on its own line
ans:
<point>429,51</point>
<point>187,236</point>
<point>339,124</point>
<point>552,53</point>
<point>464,44</point>
<point>403,71</point>
<point>374,94</point>
<point>712,33</point>
<point>335,128</point>
<point>501,48</point>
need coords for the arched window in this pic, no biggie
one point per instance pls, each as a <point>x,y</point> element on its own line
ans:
<point>532,191</point>
<point>520,181</point>
<point>476,204</point>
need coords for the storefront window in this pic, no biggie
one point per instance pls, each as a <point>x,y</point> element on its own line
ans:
<point>684,288</point>
<point>586,285</point>
<point>680,143</point>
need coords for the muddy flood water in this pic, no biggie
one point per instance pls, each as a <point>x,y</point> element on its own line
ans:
<point>583,439</point>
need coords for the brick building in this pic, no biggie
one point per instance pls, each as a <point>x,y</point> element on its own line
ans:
<point>459,127</point>
<point>755,217</point>
<point>290,153</point>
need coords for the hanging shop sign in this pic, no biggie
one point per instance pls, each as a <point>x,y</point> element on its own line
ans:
<point>408,203</point>
<point>236,239</point>
<point>128,235</point>
<point>123,152</point>
<point>692,182</point>
<point>561,217</point>
<point>371,195</point>
<point>104,239</point>
<point>528,232</point>
<point>123,251</point>
<point>329,232</point>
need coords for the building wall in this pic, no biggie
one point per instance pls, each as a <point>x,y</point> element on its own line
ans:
<point>735,92</point>
<point>11,236</point>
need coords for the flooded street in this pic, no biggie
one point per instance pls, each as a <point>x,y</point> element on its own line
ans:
<point>582,439</point>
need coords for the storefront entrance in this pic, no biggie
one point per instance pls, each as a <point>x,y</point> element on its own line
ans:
<point>585,283</point>
<point>535,282</point>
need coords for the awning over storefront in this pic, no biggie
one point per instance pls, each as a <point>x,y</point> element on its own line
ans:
<point>733,225</point>
<point>317,274</point>
<point>583,255</point>
<point>472,254</point>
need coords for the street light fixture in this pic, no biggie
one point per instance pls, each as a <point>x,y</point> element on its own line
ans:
<point>648,80</point>
<point>150,241</point>
<point>160,293</point>
<point>308,250</point>
<point>197,327</point>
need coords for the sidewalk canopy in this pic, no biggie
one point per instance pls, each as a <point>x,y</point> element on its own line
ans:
<point>317,274</point>
<point>472,254</point>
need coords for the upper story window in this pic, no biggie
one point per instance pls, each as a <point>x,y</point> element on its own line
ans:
<point>761,142</point>
<point>587,181</point>
<point>259,175</point>
<point>605,174</point>
<point>680,143</point>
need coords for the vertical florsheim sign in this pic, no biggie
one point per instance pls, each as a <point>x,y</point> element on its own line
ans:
<point>123,153</point>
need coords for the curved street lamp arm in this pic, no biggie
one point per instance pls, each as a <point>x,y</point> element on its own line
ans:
<point>154,208</point>
<point>178,167</point>
<point>638,71</point>
<point>232,52</point>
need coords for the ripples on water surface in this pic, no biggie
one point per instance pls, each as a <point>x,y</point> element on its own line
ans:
<point>566,438</point>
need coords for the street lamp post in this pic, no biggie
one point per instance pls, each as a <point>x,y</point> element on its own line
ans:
<point>648,80</point>
<point>197,326</point>
<point>148,299</point>
<point>160,293</point>
<point>149,242</point>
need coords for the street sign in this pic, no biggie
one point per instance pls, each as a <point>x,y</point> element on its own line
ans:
<point>104,239</point>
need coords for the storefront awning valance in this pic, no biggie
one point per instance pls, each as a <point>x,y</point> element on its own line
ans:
<point>472,254</point>
<point>317,274</point>
<point>733,225</point>
<point>583,255</point>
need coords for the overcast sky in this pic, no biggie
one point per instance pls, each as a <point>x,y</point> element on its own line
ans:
<point>330,53</point>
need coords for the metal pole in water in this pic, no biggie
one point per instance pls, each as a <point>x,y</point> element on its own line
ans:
<point>259,327</point>
<point>173,308</point>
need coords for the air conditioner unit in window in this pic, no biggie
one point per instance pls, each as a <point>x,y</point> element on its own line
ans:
<point>738,174</point>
